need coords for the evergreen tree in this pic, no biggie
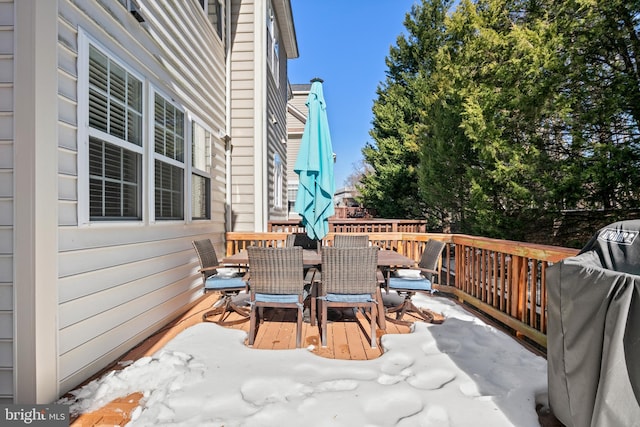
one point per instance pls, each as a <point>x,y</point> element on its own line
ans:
<point>391,187</point>
<point>497,116</point>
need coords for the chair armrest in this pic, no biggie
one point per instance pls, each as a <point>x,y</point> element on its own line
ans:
<point>217,267</point>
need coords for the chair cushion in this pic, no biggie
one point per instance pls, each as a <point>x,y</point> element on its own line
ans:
<point>408,273</point>
<point>280,298</point>
<point>348,298</point>
<point>221,282</point>
<point>410,283</point>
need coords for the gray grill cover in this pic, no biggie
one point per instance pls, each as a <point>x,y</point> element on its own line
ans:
<point>593,336</point>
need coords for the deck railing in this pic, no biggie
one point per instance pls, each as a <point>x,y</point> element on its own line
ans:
<point>356,225</point>
<point>502,279</point>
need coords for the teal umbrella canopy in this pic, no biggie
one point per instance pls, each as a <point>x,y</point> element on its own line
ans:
<point>314,166</point>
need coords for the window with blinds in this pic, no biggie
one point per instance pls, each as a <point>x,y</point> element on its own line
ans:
<point>200,172</point>
<point>169,184</point>
<point>168,129</point>
<point>115,122</point>
<point>119,145</point>
<point>114,181</point>
<point>169,137</point>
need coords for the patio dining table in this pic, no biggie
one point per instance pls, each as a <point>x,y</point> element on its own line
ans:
<point>310,257</point>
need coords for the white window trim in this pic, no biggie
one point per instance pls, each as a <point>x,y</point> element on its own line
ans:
<point>153,156</point>
<point>84,132</point>
<point>192,118</point>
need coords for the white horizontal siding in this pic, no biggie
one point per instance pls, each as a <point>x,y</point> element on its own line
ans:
<point>6,97</point>
<point>120,282</point>
<point>6,12</point>
<point>243,117</point>
<point>79,323</point>
<point>67,162</point>
<point>6,240</point>
<point>6,201</point>
<point>68,137</point>
<point>6,182</point>
<point>6,211</point>
<point>6,67</point>
<point>6,154</point>
<point>6,325</point>
<point>6,38</point>
<point>295,127</point>
<point>6,354</point>
<point>6,126</point>
<point>6,386</point>
<point>6,268</point>
<point>94,355</point>
<point>277,135</point>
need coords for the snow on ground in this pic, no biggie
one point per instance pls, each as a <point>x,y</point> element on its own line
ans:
<point>460,373</point>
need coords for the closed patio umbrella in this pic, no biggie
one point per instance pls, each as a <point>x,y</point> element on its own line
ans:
<point>314,165</point>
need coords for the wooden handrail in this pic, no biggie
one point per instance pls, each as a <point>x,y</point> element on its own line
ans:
<point>503,279</point>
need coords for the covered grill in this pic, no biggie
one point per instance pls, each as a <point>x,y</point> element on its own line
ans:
<point>593,337</point>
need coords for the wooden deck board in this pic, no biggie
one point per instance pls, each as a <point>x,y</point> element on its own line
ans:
<point>345,340</point>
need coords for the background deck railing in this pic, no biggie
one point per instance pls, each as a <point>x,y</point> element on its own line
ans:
<point>502,279</point>
<point>356,225</point>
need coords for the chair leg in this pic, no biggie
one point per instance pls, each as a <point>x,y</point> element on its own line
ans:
<point>381,318</point>
<point>221,309</point>
<point>299,327</point>
<point>252,325</point>
<point>408,306</point>
<point>374,339</point>
<point>313,304</point>
<point>226,307</point>
<point>323,322</point>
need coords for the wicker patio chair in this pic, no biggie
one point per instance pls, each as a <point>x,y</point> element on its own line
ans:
<point>216,277</point>
<point>349,279</point>
<point>276,281</point>
<point>355,241</point>
<point>302,240</point>
<point>350,240</point>
<point>311,274</point>
<point>406,282</point>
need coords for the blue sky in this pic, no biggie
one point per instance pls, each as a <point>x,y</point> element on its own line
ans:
<point>345,43</point>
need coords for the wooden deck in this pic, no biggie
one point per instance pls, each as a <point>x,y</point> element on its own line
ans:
<point>347,338</point>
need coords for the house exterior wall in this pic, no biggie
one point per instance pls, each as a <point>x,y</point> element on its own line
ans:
<point>277,138</point>
<point>7,313</point>
<point>119,283</point>
<point>258,114</point>
<point>243,115</point>
<point>89,290</point>
<point>297,113</point>
<point>115,282</point>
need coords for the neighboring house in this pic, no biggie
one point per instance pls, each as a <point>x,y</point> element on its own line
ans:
<point>297,113</point>
<point>259,92</point>
<point>346,196</point>
<point>127,130</point>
